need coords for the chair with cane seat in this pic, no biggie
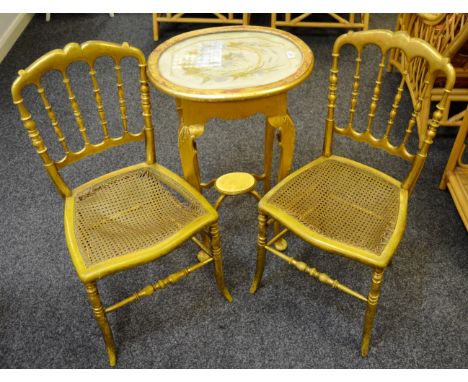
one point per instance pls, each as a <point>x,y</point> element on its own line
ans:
<point>127,217</point>
<point>343,206</point>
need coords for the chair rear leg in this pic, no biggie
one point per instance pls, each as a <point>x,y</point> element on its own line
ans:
<point>218,261</point>
<point>372,300</point>
<point>101,318</point>
<point>261,252</point>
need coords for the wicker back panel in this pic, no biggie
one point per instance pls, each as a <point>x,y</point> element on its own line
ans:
<point>130,212</point>
<point>342,202</point>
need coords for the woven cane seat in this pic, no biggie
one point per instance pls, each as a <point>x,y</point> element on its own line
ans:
<point>336,199</point>
<point>129,212</point>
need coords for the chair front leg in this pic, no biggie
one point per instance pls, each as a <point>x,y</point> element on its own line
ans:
<point>261,252</point>
<point>372,300</point>
<point>218,261</point>
<point>101,318</point>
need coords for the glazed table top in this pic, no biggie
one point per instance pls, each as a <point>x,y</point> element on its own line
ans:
<point>229,63</point>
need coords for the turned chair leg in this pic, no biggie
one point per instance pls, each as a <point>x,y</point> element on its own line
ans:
<point>101,318</point>
<point>372,300</point>
<point>261,252</point>
<point>218,261</point>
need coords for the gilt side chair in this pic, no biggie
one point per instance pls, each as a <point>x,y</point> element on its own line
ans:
<point>127,217</point>
<point>346,207</point>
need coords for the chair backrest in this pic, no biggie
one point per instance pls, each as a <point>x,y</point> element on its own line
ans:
<point>412,48</point>
<point>59,60</point>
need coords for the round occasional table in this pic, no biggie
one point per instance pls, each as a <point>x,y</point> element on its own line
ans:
<point>232,73</point>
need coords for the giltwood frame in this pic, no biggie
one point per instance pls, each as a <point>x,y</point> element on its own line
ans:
<point>269,213</point>
<point>59,60</point>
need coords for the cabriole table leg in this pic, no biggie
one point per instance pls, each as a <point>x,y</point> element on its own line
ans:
<point>189,161</point>
<point>286,140</point>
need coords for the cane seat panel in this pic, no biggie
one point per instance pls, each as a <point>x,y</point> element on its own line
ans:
<point>129,212</point>
<point>343,201</point>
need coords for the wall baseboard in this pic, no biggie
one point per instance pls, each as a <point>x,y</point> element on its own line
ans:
<point>8,39</point>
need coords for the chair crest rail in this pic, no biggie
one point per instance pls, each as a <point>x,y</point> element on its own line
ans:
<point>59,61</point>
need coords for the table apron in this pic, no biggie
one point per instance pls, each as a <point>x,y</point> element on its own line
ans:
<point>200,112</point>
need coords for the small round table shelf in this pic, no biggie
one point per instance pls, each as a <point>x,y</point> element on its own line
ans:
<point>235,183</point>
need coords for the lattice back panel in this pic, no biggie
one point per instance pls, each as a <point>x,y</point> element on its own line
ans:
<point>414,50</point>
<point>88,56</point>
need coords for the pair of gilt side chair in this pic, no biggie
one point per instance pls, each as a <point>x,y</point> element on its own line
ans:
<point>140,213</point>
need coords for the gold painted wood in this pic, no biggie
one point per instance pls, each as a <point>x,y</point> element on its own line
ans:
<point>268,154</point>
<point>197,106</point>
<point>59,60</point>
<point>219,95</point>
<point>343,206</point>
<point>235,183</point>
<point>101,318</point>
<point>303,20</point>
<point>128,217</point>
<point>121,95</point>
<point>286,139</point>
<point>261,251</point>
<point>76,110</point>
<point>313,272</point>
<point>412,49</point>
<point>371,310</point>
<point>206,215</point>
<point>355,92</point>
<point>448,33</point>
<point>277,237</point>
<point>375,97</point>
<point>194,116</point>
<point>53,119</point>
<point>334,170</point>
<point>218,18</point>
<point>218,261</point>
<point>202,246</point>
<point>100,106</point>
<point>412,123</point>
<point>158,285</point>
<point>395,106</point>
<point>455,176</point>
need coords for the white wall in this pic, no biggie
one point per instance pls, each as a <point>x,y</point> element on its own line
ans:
<point>11,27</point>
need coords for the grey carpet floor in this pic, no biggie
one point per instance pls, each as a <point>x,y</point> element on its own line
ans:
<point>293,321</point>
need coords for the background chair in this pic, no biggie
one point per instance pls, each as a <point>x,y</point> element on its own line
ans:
<point>127,217</point>
<point>214,18</point>
<point>327,20</point>
<point>448,33</point>
<point>455,175</point>
<point>346,207</point>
